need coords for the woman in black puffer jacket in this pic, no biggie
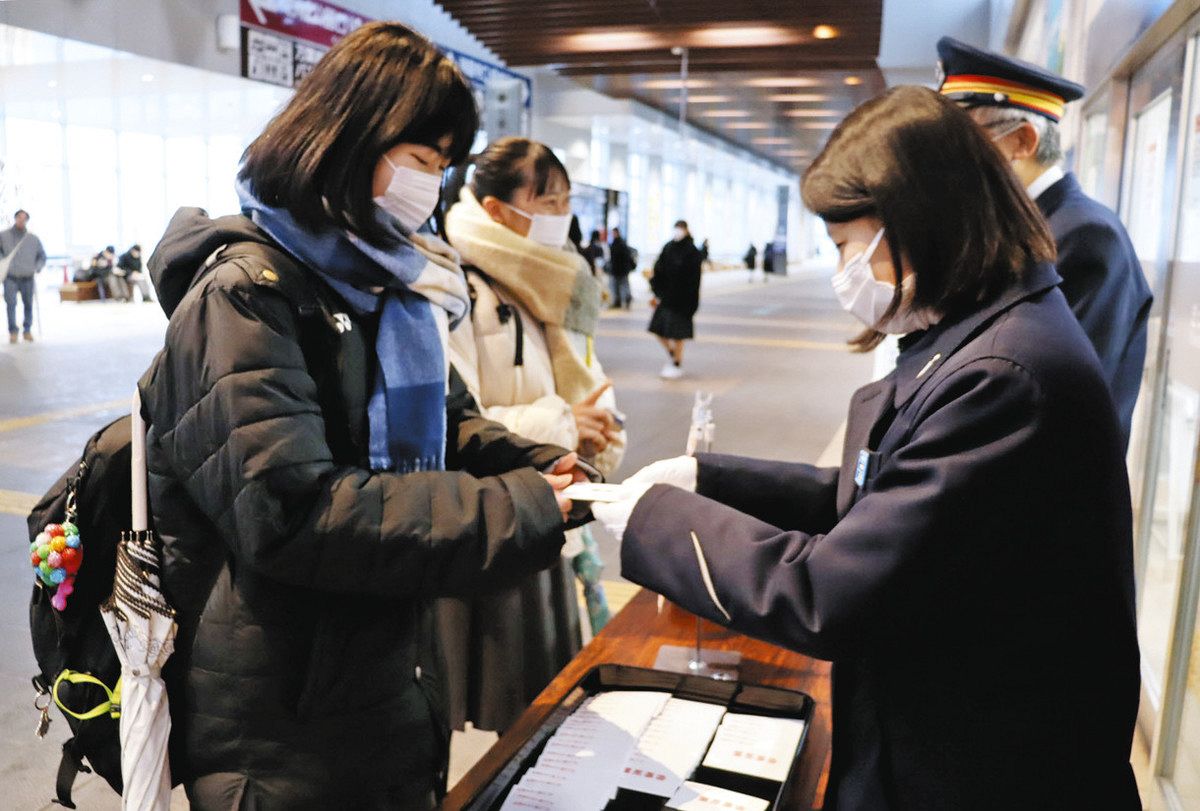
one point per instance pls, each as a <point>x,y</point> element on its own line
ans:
<point>676,287</point>
<point>315,478</point>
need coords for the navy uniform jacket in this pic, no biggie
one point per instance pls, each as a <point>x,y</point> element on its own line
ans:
<point>968,569</point>
<point>1105,286</point>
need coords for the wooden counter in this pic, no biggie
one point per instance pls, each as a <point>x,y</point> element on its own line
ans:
<point>633,637</point>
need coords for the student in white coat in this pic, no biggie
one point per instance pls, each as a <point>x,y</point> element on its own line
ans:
<point>527,355</point>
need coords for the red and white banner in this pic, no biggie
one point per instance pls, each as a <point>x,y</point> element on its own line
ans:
<point>311,21</point>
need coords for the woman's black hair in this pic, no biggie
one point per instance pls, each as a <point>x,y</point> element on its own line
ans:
<point>511,163</point>
<point>382,85</point>
<point>949,202</point>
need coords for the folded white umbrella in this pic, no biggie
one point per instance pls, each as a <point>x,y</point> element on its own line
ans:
<point>142,626</point>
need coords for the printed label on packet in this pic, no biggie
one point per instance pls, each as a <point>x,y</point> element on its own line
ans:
<point>699,797</point>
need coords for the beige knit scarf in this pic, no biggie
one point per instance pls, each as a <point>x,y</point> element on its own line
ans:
<point>554,285</point>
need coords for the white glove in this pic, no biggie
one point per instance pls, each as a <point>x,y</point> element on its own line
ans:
<point>615,514</point>
<point>681,472</point>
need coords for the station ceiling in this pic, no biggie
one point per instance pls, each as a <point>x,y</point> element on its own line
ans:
<point>774,76</point>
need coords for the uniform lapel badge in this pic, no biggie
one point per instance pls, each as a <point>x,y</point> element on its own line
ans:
<point>860,469</point>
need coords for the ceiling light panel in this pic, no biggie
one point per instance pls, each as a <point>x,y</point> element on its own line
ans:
<point>700,98</point>
<point>794,98</point>
<point>675,84</point>
<point>782,81</point>
<point>743,36</point>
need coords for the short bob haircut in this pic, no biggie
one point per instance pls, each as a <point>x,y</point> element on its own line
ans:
<point>382,85</point>
<point>948,200</point>
<point>513,163</point>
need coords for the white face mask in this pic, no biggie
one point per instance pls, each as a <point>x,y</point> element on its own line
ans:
<point>546,229</point>
<point>867,298</point>
<point>411,196</point>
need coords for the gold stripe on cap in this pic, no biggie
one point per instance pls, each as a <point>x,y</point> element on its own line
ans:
<point>1040,100</point>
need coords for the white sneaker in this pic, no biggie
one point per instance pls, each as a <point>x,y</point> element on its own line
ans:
<point>670,372</point>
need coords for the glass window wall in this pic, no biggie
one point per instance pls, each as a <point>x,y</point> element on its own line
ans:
<point>101,146</point>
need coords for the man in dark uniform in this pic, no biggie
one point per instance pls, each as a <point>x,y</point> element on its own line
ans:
<point>1020,105</point>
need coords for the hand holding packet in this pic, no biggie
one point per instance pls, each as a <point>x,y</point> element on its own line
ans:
<point>680,471</point>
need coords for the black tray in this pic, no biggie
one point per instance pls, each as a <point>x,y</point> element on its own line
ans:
<point>735,696</point>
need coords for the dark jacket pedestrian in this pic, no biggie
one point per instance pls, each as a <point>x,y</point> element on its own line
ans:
<point>317,474</point>
<point>977,606</point>
<point>24,256</point>
<point>621,261</point>
<point>102,271</point>
<point>130,263</point>
<point>751,257</point>
<point>29,257</point>
<point>131,260</point>
<point>103,262</point>
<point>594,252</point>
<point>1105,286</point>
<point>676,285</point>
<point>300,576</point>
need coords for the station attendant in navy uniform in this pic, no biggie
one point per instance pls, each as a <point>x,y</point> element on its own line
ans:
<point>1020,105</point>
<point>968,568</point>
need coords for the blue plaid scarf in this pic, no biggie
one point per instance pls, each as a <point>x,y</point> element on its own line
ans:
<point>407,409</point>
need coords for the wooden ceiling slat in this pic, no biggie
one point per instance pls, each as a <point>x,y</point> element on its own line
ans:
<point>848,65</point>
<point>698,59</point>
<point>551,45</point>
<point>538,32</point>
<point>548,30</point>
<point>613,18</point>
<point>776,11</point>
<point>633,14</point>
<point>566,20</point>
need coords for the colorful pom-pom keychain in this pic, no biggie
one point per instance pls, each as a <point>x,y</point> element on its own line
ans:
<point>56,554</point>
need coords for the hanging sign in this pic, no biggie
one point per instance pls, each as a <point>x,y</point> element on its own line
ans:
<point>283,39</point>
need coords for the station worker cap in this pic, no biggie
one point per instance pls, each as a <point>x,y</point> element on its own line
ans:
<point>974,77</point>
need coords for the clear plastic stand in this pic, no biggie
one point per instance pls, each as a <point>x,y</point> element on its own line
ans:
<point>714,664</point>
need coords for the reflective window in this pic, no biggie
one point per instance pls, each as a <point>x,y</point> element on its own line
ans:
<point>101,146</point>
<point>1176,550</point>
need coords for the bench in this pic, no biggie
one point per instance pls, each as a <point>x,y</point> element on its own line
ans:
<point>78,291</point>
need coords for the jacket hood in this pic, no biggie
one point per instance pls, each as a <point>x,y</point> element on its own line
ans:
<point>191,237</point>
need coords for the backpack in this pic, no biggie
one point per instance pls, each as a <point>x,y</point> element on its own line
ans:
<point>78,667</point>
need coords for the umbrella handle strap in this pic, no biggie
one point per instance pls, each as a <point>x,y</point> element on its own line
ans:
<point>111,707</point>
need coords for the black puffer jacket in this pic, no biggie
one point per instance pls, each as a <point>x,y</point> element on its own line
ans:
<point>676,279</point>
<point>302,672</point>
